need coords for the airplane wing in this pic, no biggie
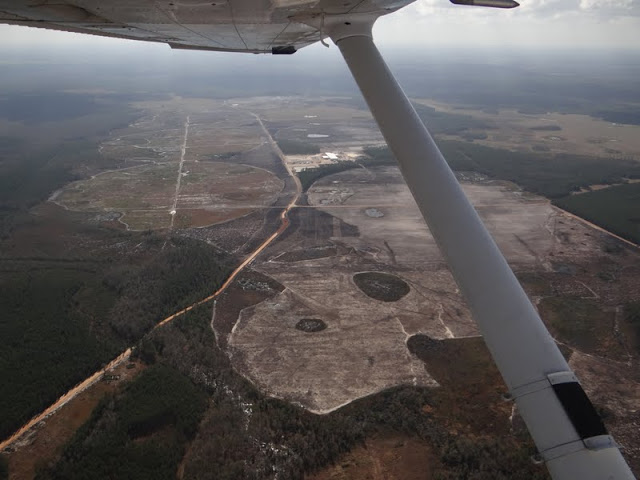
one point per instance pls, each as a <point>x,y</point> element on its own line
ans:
<point>253,26</point>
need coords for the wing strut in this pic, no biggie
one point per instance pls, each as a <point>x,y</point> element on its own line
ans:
<point>568,432</point>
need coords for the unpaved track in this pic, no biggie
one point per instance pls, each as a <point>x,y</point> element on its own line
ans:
<point>183,151</point>
<point>124,356</point>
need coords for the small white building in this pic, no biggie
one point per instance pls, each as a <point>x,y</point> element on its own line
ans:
<point>330,156</point>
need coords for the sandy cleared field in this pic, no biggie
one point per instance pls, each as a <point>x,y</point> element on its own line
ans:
<point>374,225</point>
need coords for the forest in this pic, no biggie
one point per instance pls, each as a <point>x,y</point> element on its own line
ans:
<point>64,319</point>
<point>243,434</point>
<point>139,433</point>
<point>615,208</point>
<point>294,147</point>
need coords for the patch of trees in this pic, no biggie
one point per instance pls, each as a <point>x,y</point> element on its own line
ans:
<point>461,456</point>
<point>384,287</point>
<point>377,156</point>
<point>47,341</point>
<point>450,123</point>
<point>139,433</point>
<point>4,468</point>
<point>245,434</point>
<point>295,147</point>
<point>616,209</point>
<point>546,128</point>
<point>487,459</point>
<point>178,276</point>
<point>374,157</point>
<point>310,175</point>
<point>142,432</point>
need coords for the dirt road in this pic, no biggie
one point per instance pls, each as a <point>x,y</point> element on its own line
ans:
<point>81,387</point>
<point>183,151</point>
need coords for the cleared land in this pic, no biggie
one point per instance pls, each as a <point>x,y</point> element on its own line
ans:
<point>363,348</point>
<point>180,178</point>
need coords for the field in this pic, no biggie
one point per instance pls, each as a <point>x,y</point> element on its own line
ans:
<point>178,176</point>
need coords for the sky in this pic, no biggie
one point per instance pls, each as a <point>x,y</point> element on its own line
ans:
<point>549,24</point>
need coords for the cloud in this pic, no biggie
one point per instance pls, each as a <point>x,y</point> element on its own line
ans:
<point>602,9</point>
<point>561,24</point>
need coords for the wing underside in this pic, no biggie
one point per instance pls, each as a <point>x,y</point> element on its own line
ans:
<point>254,26</point>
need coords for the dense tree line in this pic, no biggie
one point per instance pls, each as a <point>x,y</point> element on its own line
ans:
<point>47,342</point>
<point>178,276</point>
<point>630,117</point>
<point>616,209</point>
<point>450,123</point>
